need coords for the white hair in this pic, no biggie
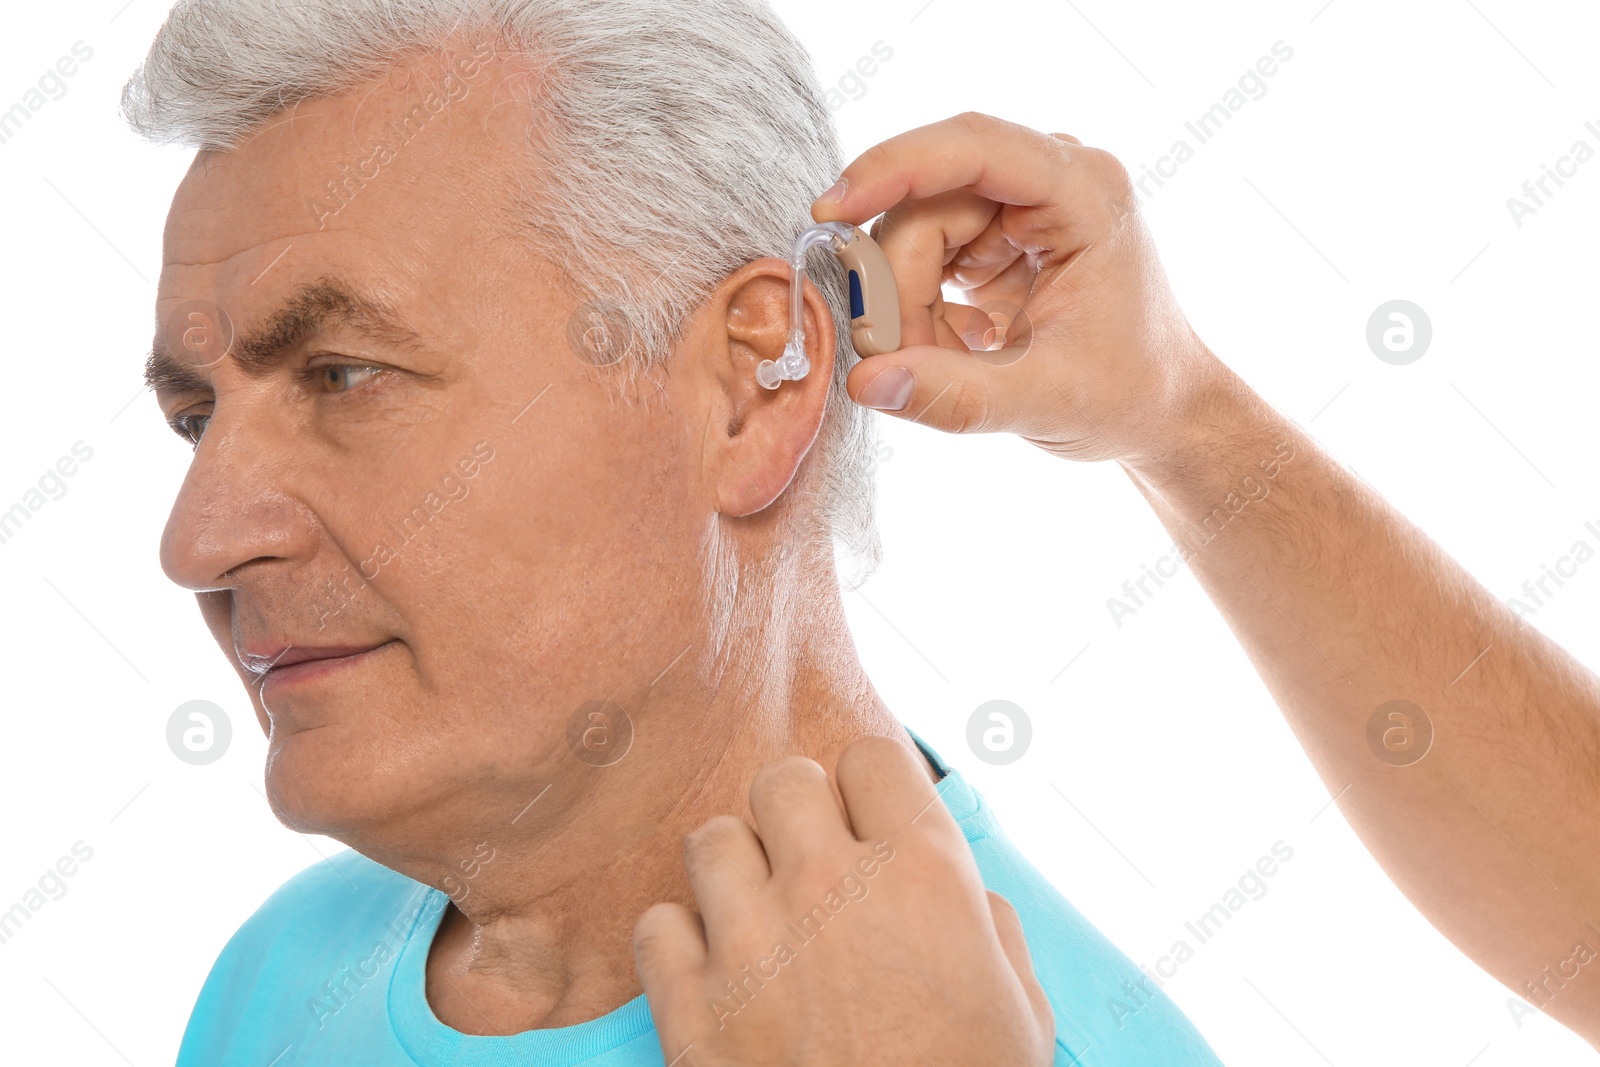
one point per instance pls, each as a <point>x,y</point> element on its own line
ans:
<point>678,140</point>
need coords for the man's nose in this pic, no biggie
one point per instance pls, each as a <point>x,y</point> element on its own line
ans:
<point>237,505</point>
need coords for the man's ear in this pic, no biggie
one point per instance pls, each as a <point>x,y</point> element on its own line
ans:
<point>760,436</point>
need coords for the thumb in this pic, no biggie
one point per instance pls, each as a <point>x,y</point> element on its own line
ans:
<point>1009,926</point>
<point>950,390</point>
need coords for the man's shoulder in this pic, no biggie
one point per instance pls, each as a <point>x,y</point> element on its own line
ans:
<point>334,926</point>
<point>341,900</point>
<point>1103,1002</point>
<point>336,885</point>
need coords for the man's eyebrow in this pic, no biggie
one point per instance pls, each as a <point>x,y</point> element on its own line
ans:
<point>312,307</point>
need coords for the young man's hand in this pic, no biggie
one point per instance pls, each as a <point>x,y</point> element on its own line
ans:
<point>1094,360</point>
<point>841,937</point>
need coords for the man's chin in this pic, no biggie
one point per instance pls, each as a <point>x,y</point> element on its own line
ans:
<point>316,784</point>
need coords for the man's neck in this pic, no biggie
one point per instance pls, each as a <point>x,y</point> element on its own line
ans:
<point>541,936</point>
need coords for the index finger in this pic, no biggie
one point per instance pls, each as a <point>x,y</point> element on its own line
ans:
<point>1067,192</point>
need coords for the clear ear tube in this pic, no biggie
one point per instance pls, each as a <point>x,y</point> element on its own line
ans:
<point>793,364</point>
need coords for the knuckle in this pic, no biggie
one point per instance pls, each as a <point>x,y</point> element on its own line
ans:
<point>990,126</point>
<point>976,121</point>
<point>1113,175</point>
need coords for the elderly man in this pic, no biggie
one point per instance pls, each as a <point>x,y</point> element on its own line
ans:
<point>527,577</point>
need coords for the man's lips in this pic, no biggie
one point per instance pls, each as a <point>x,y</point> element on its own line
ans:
<point>305,666</point>
<point>270,658</point>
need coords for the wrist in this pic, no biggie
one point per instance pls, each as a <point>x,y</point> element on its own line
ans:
<point>1216,416</point>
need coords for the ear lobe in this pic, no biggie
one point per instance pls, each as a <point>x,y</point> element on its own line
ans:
<point>762,435</point>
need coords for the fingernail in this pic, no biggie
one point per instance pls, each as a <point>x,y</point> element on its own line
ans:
<point>889,391</point>
<point>835,192</point>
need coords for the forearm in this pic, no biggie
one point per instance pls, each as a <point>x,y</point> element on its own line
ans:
<point>1344,606</point>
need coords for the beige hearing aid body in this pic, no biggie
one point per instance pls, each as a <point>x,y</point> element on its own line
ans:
<point>874,296</point>
<point>874,300</point>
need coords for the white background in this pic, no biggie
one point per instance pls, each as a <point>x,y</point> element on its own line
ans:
<point>1376,166</point>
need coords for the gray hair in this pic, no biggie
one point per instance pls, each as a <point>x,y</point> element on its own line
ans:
<point>696,129</point>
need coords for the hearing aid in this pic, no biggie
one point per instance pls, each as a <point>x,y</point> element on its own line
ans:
<point>874,299</point>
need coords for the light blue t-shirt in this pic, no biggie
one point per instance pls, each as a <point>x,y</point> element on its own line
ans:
<point>330,972</point>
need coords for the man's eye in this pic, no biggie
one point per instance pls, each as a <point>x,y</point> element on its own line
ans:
<point>327,378</point>
<point>190,427</point>
<point>339,377</point>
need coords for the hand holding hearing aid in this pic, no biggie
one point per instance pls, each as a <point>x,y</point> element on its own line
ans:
<point>1070,336</point>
